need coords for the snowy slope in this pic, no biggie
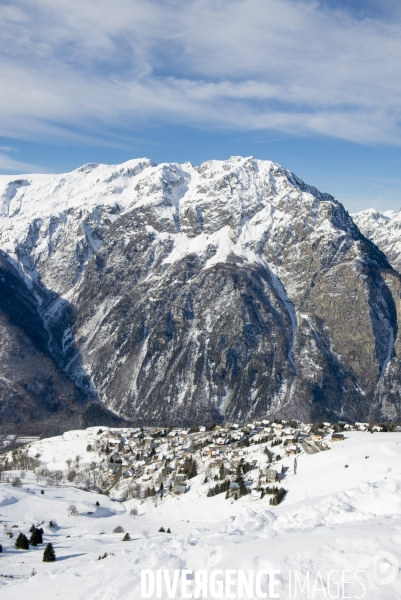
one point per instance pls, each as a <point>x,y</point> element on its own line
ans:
<point>332,518</point>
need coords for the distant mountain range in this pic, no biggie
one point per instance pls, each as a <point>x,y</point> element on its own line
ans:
<point>179,294</point>
<point>384,229</point>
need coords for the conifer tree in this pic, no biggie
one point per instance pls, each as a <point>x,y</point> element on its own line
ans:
<point>36,537</point>
<point>49,555</point>
<point>242,487</point>
<point>240,481</point>
<point>127,538</point>
<point>22,542</point>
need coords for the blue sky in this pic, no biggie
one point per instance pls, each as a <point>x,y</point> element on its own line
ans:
<point>313,85</point>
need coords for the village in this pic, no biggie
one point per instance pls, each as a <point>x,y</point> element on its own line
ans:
<point>144,462</point>
<point>120,498</point>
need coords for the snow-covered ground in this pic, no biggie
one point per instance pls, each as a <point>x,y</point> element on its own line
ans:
<point>335,523</point>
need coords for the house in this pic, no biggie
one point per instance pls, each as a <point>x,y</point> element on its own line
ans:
<point>221,441</point>
<point>180,478</point>
<point>128,473</point>
<point>271,476</point>
<point>234,485</point>
<point>180,488</point>
<point>361,426</point>
<point>149,441</point>
<point>116,445</point>
<point>337,437</point>
<point>319,434</point>
<point>115,460</point>
<point>292,449</point>
<point>239,453</point>
<point>202,429</point>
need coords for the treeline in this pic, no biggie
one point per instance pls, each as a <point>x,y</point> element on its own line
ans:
<point>277,493</point>
<point>20,461</point>
<point>219,488</point>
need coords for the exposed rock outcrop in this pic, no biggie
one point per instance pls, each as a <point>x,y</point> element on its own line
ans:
<point>181,294</point>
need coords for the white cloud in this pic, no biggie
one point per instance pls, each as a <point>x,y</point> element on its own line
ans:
<point>292,66</point>
<point>15,166</point>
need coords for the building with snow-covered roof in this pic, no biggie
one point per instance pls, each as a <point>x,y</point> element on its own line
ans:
<point>291,449</point>
<point>271,475</point>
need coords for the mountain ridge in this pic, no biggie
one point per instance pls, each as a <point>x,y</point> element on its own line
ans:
<point>232,289</point>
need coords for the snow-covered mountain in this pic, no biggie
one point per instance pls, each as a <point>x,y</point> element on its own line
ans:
<point>176,293</point>
<point>384,229</point>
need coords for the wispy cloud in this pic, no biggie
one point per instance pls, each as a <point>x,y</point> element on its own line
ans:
<point>287,65</point>
<point>10,165</point>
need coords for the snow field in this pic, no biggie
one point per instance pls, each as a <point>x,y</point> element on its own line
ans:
<point>333,518</point>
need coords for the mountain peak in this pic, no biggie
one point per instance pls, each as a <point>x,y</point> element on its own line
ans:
<point>228,289</point>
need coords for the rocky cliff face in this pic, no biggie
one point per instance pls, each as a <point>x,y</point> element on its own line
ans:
<point>178,294</point>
